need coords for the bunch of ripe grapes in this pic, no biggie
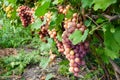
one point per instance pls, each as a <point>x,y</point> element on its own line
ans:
<point>44,28</point>
<point>25,14</point>
<point>53,34</point>
<point>74,53</point>
<point>44,31</point>
<point>63,9</point>
<point>8,9</point>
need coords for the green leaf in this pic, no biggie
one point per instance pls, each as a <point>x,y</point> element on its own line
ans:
<point>40,11</point>
<point>1,22</point>
<point>49,76</point>
<point>116,35</point>
<point>112,29</point>
<point>47,46</point>
<point>104,57</point>
<point>103,4</point>
<point>63,68</point>
<point>37,24</point>
<point>84,36</point>
<point>87,23</point>
<point>112,43</point>
<point>53,21</point>
<point>86,3</point>
<point>56,20</point>
<point>60,1</point>
<point>60,18</point>
<point>13,14</point>
<point>110,53</point>
<point>64,62</point>
<point>12,1</point>
<point>69,14</point>
<point>55,2</point>
<point>59,37</point>
<point>100,20</point>
<point>75,37</point>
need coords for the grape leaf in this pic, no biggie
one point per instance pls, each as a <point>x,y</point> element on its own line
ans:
<point>112,54</point>
<point>37,24</point>
<point>104,57</point>
<point>75,37</point>
<point>102,4</point>
<point>117,35</point>
<point>46,46</point>
<point>69,14</point>
<point>60,18</point>
<point>12,1</point>
<point>84,36</point>
<point>111,42</point>
<point>53,21</point>
<point>87,23</point>
<point>1,22</point>
<point>112,29</point>
<point>86,3</point>
<point>56,20</point>
<point>59,37</point>
<point>100,20</point>
<point>40,11</point>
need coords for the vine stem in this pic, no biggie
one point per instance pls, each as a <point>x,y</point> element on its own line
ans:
<point>116,69</point>
<point>110,18</point>
<point>98,26</point>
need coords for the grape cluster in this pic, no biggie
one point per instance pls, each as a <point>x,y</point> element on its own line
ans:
<point>44,29</point>
<point>8,9</point>
<point>74,53</point>
<point>66,21</point>
<point>25,14</point>
<point>53,34</point>
<point>43,32</point>
<point>63,10</point>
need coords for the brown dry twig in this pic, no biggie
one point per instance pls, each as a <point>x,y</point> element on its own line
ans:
<point>116,69</point>
<point>98,26</point>
<point>111,18</point>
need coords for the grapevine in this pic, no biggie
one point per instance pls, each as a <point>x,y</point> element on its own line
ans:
<point>74,53</point>
<point>62,21</point>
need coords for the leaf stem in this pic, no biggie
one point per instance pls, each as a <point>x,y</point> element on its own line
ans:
<point>98,26</point>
